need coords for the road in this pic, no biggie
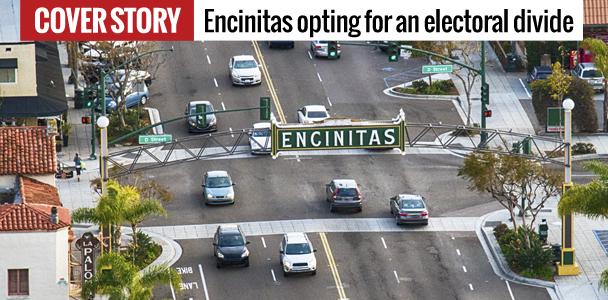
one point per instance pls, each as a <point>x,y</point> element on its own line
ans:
<point>411,265</point>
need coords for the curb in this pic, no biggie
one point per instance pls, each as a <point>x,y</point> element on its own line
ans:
<point>390,91</point>
<point>497,259</point>
<point>171,251</point>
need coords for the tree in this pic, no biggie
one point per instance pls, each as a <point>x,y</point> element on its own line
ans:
<point>559,82</point>
<point>600,58</point>
<point>465,50</point>
<point>119,279</point>
<point>589,200</point>
<point>137,212</point>
<point>509,178</point>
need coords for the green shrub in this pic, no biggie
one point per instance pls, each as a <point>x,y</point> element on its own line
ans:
<point>420,85</point>
<point>535,50</point>
<point>531,260</point>
<point>134,119</point>
<point>583,148</point>
<point>500,230</point>
<point>144,253</point>
<point>584,118</point>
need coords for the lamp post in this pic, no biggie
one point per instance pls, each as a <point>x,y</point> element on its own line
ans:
<point>567,264</point>
<point>103,123</point>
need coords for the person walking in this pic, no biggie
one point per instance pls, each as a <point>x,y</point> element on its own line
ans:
<point>78,165</point>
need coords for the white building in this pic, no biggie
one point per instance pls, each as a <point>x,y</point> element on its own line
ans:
<point>35,254</point>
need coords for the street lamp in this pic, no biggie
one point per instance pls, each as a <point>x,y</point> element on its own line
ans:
<point>103,123</point>
<point>567,265</point>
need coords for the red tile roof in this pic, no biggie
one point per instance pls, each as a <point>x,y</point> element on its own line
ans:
<point>37,192</point>
<point>596,12</point>
<point>23,217</point>
<point>27,150</point>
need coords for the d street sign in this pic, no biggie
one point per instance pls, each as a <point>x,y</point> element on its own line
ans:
<point>431,69</point>
<point>155,139</point>
<point>336,136</point>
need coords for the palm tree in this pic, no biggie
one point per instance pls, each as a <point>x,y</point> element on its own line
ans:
<point>136,213</point>
<point>589,200</point>
<point>119,279</point>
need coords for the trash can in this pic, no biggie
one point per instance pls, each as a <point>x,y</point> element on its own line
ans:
<point>543,231</point>
<point>557,253</point>
<point>511,62</point>
<point>78,98</point>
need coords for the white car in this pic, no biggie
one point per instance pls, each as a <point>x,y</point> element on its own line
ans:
<point>297,254</point>
<point>312,113</point>
<point>244,70</point>
<point>259,138</point>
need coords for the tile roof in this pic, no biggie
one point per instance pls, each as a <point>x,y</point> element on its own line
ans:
<point>27,150</point>
<point>23,217</point>
<point>37,192</point>
<point>596,12</point>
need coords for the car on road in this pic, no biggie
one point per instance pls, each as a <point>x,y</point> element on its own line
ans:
<point>320,49</point>
<point>244,70</point>
<point>343,194</point>
<point>409,209</point>
<point>297,254</point>
<point>136,94</point>
<point>259,138</point>
<point>589,73</point>
<point>230,246</point>
<point>193,121</point>
<point>312,113</point>
<point>281,44</point>
<point>218,188</point>
<point>539,73</point>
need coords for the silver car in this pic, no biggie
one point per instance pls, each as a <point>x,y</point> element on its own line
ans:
<point>297,254</point>
<point>319,49</point>
<point>244,70</point>
<point>343,193</point>
<point>218,188</point>
<point>589,73</point>
<point>409,209</point>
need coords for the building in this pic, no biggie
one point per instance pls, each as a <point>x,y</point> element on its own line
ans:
<point>595,22</point>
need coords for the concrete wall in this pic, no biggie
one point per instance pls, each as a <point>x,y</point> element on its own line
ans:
<point>26,70</point>
<point>45,254</point>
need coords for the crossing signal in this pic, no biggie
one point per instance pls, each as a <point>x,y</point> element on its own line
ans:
<point>487,113</point>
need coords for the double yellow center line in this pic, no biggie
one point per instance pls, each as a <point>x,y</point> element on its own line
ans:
<point>332,266</point>
<point>273,93</point>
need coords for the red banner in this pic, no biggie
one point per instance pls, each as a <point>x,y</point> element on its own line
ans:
<point>118,20</point>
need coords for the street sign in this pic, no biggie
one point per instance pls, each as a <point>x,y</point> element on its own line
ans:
<point>155,139</point>
<point>361,135</point>
<point>430,69</point>
<point>555,119</point>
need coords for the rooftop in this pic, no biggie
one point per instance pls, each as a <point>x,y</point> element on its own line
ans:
<point>36,192</point>
<point>23,217</point>
<point>27,150</point>
<point>596,12</point>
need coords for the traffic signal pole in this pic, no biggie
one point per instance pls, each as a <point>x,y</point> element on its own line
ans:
<point>485,99</point>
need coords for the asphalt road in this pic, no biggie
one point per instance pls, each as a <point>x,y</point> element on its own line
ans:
<point>413,265</point>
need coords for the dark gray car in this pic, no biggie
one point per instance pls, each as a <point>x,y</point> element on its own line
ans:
<point>343,194</point>
<point>230,246</point>
<point>409,209</point>
<point>193,121</point>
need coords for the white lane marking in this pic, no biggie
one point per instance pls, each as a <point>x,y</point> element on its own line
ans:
<point>458,252</point>
<point>525,89</point>
<point>230,129</point>
<point>274,278</point>
<point>383,242</point>
<point>200,268</point>
<point>309,55</point>
<point>208,60</point>
<point>223,106</point>
<point>215,81</point>
<point>319,75</point>
<point>471,287</point>
<point>452,237</point>
<point>263,242</point>
<point>584,175</point>
<point>329,101</point>
<point>172,291</point>
<point>510,291</point>
<point>298,158</point>
<point>464,269</point>
<point>396,276</point>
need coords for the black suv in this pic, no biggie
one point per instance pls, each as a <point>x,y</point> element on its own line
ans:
<point>230,246</point>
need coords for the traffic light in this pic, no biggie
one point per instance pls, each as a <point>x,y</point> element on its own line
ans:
<point>487,113</point>
<point>485,93</point>
<point>89,97</point>
<point>332,49</point>
<point>265,108</point>
<point>393,52</point>
<point>201,117</point>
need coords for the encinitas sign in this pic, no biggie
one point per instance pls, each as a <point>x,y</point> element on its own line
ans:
<point>358,135</point>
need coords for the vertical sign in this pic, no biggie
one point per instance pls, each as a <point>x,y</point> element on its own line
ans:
<point>87,245</point>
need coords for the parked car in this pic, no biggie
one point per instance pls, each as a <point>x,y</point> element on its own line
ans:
<point>297,254</point>
<point>539,73</point>
<point>343,193</point>
<point>312,113</point>
<point>218,188</point>
<point>589,73</point>
<point>244,70</point>
<point>230,246</point>
<point>193,124</point>
<point>319,49</point>
<point>136,95</point>
<point>281,44</point>
<point>409,209</point>
<point>259,138</point>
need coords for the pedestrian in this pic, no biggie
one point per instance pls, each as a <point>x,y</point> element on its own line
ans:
<point>78,165</point>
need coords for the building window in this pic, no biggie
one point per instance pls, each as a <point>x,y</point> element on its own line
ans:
<point>18,282</point>
<point>8,70</point>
